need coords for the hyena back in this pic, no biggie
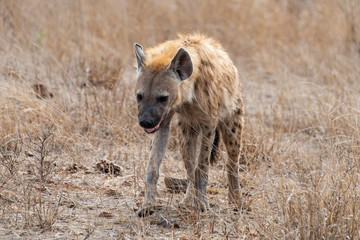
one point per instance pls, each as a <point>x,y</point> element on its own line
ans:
<point>194,77</point>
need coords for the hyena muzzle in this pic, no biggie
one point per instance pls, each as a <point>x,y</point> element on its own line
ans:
<point>193,77</point>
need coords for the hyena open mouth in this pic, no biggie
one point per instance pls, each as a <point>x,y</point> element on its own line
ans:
<point>154,129</point>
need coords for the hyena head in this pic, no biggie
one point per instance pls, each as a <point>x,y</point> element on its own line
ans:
<point>157,90</point>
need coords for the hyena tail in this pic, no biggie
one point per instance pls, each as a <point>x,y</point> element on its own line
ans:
<point>215,150</point>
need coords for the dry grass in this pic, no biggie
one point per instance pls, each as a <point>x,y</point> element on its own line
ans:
<point>299,61</point>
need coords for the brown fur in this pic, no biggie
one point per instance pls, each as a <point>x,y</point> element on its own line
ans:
<point>203,87</point>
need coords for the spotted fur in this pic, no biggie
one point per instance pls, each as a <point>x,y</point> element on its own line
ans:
<point>203,88</point>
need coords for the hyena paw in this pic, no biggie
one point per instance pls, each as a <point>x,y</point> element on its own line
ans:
<point>199,203</point>
<point>202,203</point>
<point>235,199</point>
<point>188,200</point>
<point>146,211</point>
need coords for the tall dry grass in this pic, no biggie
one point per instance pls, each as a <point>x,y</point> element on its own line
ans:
<point>299,63</point>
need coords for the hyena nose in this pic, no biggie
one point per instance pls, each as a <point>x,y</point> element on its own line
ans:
<point>147,123</point>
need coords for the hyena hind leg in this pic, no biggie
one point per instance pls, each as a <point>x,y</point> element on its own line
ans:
<point>232,129</point>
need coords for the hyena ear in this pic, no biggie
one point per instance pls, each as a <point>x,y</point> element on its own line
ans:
<point>140,56</point>
<point>181,64</point>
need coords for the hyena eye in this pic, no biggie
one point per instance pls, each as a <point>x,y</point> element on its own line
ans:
<point>139,97</point>
<point>162,99</point>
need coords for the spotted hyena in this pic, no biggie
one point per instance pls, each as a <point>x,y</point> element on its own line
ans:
<point>194,78</point>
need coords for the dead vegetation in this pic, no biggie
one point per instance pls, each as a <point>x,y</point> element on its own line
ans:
<point>67,104</point>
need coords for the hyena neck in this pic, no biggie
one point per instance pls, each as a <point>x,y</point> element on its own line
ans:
<point>185,93</point>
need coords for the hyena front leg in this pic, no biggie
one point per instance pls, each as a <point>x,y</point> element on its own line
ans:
<point>188,138</point>
<point>158,147</point>
<point>202,169</point>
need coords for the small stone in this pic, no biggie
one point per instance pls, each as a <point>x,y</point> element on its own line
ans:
<point>112,193</point>
<point>175,185</point>
<point>108,168</point>
<point>106,214</point>
<point>165,223</point>
<point>29,153</point>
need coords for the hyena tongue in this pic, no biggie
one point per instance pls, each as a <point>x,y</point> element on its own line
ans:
<point>154,129</point>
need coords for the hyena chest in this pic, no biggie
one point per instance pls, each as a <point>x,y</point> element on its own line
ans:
<point>192,113</point>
